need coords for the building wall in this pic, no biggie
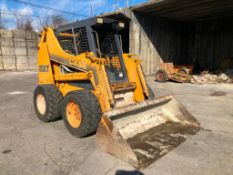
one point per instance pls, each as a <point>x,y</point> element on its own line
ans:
<point>18,50</point>
<point>208,43</point>
<point>155,41</point>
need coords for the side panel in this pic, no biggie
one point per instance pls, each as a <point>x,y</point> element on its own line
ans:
<point>131,65</point>
<point>65,88</point>
<point>45,73</point>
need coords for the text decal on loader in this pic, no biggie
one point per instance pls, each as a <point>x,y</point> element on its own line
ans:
<point>43,68</point>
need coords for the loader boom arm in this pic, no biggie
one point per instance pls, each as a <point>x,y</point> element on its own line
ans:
<point>85,77</point>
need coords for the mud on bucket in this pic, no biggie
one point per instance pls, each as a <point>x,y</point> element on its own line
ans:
<point>142,133</point>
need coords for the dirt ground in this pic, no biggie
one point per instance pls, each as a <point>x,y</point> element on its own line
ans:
<point>30,147</point>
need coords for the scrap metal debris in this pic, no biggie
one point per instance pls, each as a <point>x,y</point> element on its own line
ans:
<point>181,78</point>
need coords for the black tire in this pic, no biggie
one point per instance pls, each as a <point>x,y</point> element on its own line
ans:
<point>184,70</point>
<point>161,76</point>
<point>53,100</point>
<point>151,93</point>
<point>90,112</point>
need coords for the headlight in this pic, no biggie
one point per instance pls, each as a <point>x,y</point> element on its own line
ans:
<point>121,75</point>
<point>121,24</point>
<point>100,20</point>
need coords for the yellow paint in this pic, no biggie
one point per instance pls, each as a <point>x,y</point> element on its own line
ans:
<point>72,76</point>
<point>51,56</point>
<point>73,114</point>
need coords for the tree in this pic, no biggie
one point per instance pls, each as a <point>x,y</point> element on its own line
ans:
<point>19,22</point>
<point>44,22</point>
<point>24,22</point>
<point>52,20</point>
<point>3,23</point>
<point>57,20</point>
<point>28,24</point>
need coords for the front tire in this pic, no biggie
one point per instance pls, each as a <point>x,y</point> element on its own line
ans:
<point>47,103</point>
<point>81,113</point>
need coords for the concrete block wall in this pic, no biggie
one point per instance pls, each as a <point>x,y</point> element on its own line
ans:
<point>18,50</point>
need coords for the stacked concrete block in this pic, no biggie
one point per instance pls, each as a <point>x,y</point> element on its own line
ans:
<point>1,59</point>
<point>18,50</point>
<point>1,62</point>
<point>32,46</point>
<point>6,33</point>
<point>8,50</point>
<point>32,60</point>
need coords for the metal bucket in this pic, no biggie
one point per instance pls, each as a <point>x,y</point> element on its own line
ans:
<point>142,133</point>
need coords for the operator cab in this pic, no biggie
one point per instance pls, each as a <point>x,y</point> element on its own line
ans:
<point>100,36</point>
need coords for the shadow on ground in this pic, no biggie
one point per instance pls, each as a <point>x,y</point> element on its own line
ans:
<point>122,172</point>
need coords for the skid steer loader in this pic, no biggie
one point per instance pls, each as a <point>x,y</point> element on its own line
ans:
<point>85,78</point>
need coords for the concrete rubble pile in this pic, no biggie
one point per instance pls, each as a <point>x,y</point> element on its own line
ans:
<point>208,78</point>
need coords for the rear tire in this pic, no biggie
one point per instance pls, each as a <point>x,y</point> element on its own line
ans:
<point>47,103</point>
<point>81,113</point>
<point>161,76</point>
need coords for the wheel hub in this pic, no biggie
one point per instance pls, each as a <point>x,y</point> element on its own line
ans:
<point>160,76</point>
<point>41,104</point>
<point>73,114</point>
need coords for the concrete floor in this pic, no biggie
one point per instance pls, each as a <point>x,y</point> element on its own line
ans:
<point>30,147</point>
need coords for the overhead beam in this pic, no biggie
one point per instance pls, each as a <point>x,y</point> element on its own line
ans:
<point>186,9</point>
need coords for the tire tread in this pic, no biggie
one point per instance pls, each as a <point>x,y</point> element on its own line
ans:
<point>91,111</point>
<point>54,101</point>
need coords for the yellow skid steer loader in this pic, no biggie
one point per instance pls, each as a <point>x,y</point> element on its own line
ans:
<point>85,78</point>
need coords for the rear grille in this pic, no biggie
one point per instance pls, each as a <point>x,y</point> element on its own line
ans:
<point>68,44</point>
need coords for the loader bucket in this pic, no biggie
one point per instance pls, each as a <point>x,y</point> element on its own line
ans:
<point>142,133</point>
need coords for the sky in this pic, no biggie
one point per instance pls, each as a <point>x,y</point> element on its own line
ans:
<point>82,9</point>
